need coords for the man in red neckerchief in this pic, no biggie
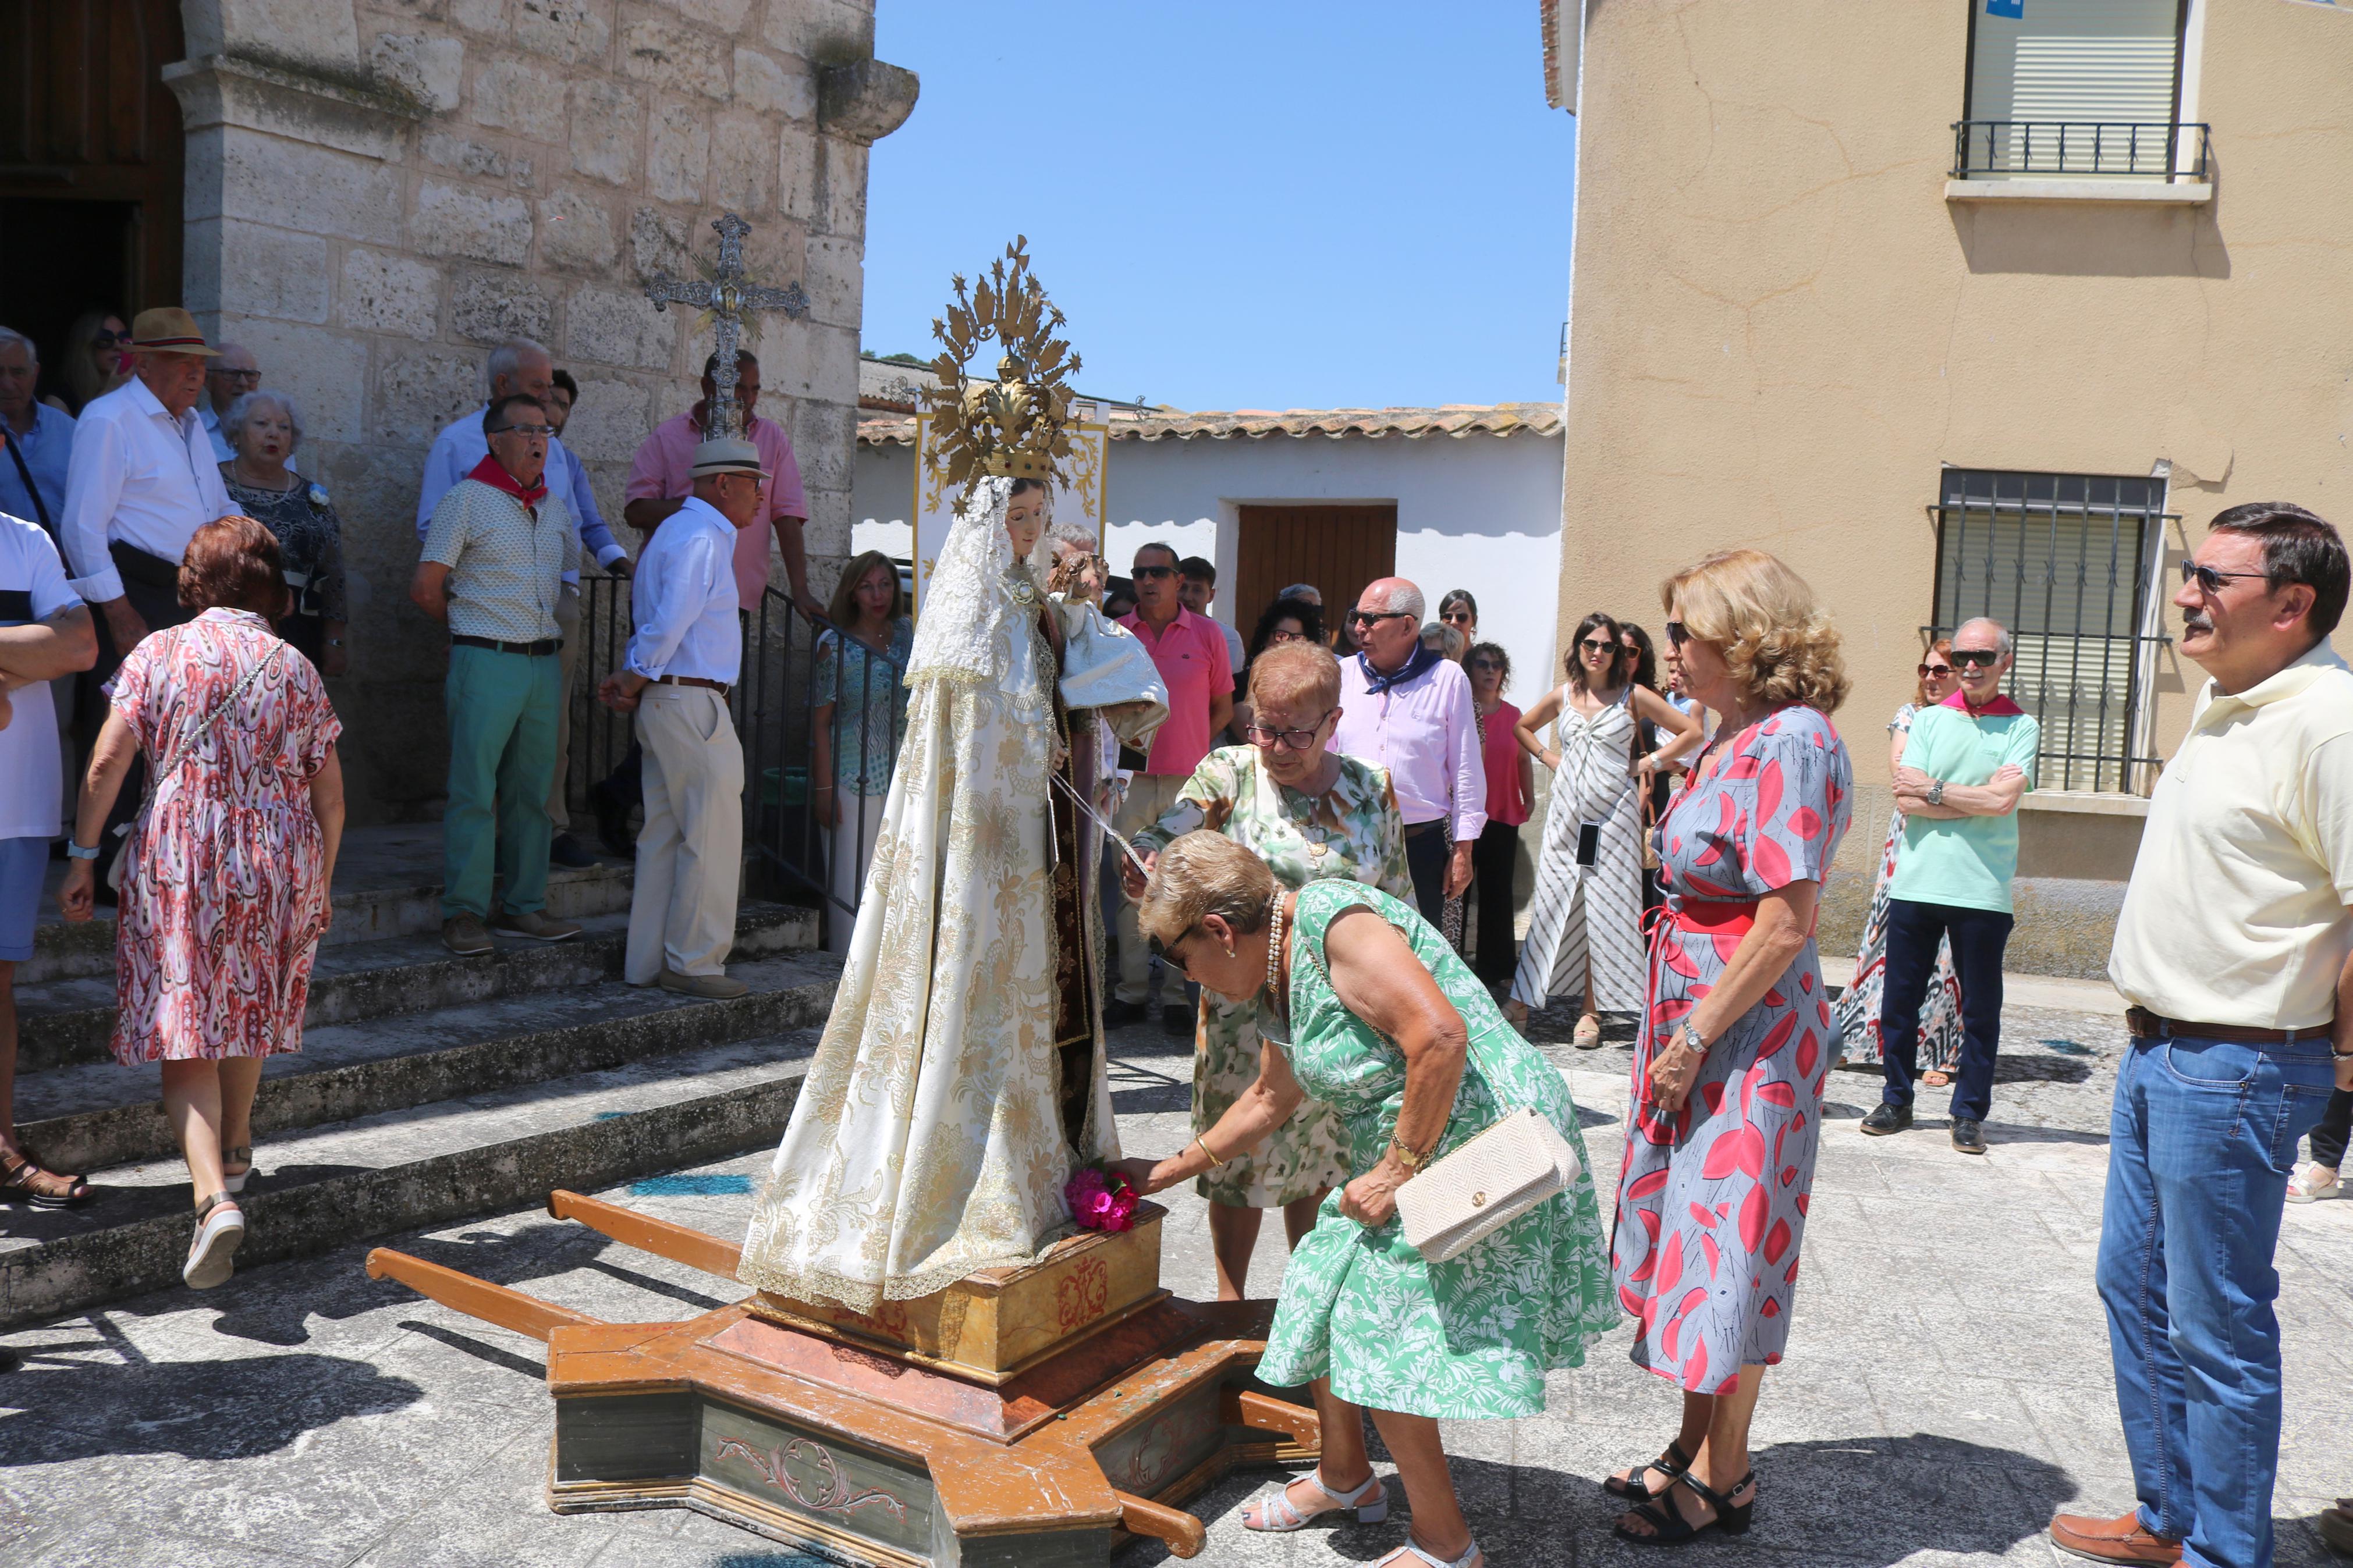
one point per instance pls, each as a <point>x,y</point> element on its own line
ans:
<point>495,555</point>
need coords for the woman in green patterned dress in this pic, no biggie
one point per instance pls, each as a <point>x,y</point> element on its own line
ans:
<point>1361,1004</point>
<point>1309,813</point>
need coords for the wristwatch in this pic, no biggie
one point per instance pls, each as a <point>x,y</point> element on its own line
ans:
<point>1935,791</point>
<point>75,852</point>
<point>1691,1039</point>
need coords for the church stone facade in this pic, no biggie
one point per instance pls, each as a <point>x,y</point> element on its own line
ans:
<point>377,191</point>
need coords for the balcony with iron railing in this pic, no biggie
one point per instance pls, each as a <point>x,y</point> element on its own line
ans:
<point>2088,158</point>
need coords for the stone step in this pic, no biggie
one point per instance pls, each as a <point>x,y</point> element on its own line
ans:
<point>63,1022</point>
<point>397,1170</point>
<point>92,1115</point>
<point>366,911</point>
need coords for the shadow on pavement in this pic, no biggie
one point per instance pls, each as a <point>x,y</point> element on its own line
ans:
<point>237,1408</point>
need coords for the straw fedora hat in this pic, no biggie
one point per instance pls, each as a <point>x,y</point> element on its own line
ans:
<point>169,330</point>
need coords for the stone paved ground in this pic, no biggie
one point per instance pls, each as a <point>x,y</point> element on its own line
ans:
<point>1946,1385</point>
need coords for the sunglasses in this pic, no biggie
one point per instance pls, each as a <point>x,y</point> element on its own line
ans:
<point>1484,664</point>
<point>1288,636</point>
<point>1976,658</point>
<point>1166,952</point>
<point>1457,617</point>
<point>1153,572</point>
<point>1939,671</point>
<point>1373,617</point>
<point>1676,634</point>
<point>2208,579</point>
<point>1294,740</point>
<point>104,339</point>
<point>1600,644</point>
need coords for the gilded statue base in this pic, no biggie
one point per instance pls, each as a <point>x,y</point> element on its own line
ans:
<point>1038,1415</point>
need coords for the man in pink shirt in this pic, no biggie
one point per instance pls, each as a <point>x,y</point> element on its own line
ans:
<point>1191,652</point>
<point>662,476</point>
<point>1409,708</point>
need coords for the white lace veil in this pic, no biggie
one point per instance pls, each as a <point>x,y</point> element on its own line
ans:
<point>959,631</point>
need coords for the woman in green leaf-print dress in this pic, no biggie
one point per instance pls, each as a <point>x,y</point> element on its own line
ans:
<point>1310,813</point>
<point>1364,1005</point>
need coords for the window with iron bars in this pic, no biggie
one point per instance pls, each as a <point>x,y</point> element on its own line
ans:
<point>2069,564</point>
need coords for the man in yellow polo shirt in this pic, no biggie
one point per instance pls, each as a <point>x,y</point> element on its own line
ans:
<point>2234,953</point>
<point>1968,763</point>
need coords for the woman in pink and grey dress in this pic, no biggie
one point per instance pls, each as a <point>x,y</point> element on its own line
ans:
<point>1726,1114</point>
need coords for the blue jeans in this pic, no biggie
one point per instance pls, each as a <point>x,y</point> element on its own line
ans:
<point>1979,938</point>
<point>2202,1141</point>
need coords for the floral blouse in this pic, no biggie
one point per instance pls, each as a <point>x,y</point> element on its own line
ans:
<point>310,541</point>
<point>1351,830</point>
<point>869,692</point>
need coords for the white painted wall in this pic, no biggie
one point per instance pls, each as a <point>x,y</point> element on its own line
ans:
<point>1481,512</point>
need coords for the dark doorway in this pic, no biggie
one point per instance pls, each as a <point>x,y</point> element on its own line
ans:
<point>90,164</point>
<point>1337,548</point>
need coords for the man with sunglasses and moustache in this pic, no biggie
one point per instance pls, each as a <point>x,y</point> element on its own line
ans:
<point>2234,955</point>
<point>1189,651</point>
<point>1970,761</point>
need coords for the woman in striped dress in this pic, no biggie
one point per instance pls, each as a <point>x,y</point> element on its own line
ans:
<point>1584,924</point>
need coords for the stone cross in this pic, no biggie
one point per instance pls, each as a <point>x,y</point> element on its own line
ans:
<point>726,295</point>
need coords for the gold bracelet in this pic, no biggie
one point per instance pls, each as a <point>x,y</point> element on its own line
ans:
<point>1214,1162</point>
<point>1411,1159</point>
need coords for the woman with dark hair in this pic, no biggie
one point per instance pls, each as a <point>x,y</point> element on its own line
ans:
<point>1584,924</point>
<point>1511,783</point>
<point>1287,620</point>
<point>1460,610</point>
<point>225,876</point>
<point>859,710</point>
<point>97,358</point>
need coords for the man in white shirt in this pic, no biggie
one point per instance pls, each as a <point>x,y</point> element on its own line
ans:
<point>1196,586</point>
<point>233,373</point>
<point>2234,955</point>
<point>45,632</point>
<point>684,657</point>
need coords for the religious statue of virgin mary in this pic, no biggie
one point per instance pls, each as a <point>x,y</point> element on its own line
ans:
<point>961,1075</point>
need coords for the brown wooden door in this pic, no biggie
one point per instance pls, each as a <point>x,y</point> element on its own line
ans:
<point>1337,548</point>
<point>89,164</point>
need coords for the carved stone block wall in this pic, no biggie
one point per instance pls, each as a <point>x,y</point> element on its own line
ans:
<point>379,190</point>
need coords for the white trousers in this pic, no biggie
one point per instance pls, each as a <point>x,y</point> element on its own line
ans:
<point>851,851</point>
<point>691,850</point>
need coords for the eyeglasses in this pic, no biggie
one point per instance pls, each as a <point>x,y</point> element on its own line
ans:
<point>1288,636</point>
<point>1295,739</point>
<point>2209,580</point>
<point>236,374</point>
<point>540,430</point>
<point>1599,645</point>
<point>1166,952</point>
<point>1976,658</point>
<point>1153,572</point>
<point>1374,617</point>
<point>1484,664</point>
<point>1938,671</point>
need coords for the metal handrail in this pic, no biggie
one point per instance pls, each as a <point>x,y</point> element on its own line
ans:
<point>2100,148</point>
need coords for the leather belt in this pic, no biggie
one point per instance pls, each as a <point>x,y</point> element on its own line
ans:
<point>2147,1026</point>
<point>721,687</point>
<point>544,648</point>
<point>141,567</point>
<point>1417,829</point>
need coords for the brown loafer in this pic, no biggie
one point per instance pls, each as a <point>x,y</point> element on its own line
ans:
<point>2118,1539</point>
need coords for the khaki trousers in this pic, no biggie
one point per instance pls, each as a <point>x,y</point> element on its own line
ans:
<point>691,850</point>
<point>567,622</point>
<point>1148,794</point>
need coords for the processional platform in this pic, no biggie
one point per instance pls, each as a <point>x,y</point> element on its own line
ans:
<point>1038,1415</point>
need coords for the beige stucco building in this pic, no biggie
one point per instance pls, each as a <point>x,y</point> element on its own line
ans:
<point>1963,307</point>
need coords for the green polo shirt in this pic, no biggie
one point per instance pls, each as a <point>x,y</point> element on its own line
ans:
<point>1965,861</point>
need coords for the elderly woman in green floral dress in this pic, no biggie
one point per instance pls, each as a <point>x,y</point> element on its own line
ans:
<point>1309,813</point>
<point>1363,1004</point>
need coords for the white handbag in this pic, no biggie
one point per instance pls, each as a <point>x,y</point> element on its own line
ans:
<point>1493,1178</point>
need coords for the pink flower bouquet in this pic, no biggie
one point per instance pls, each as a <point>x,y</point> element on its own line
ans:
<point>1101,1199</point>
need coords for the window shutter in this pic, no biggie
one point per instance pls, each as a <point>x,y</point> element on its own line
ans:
<point>2081,63</point>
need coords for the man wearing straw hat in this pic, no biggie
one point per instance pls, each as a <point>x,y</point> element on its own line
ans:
<point>142,481</point>
<point>685,653</point>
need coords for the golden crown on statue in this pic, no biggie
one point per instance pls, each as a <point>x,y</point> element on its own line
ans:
<point>1018,425</point>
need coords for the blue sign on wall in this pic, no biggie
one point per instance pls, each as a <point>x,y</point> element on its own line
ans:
<point>2013,9</point>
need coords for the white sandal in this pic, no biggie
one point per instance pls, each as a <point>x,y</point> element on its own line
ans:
<point>1470,1558</point>
<point>2313,1183</point>
<point>212,1257</point>
<point>1371,1502</point>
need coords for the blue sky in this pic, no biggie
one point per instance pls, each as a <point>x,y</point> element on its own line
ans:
<point>1268,205</point>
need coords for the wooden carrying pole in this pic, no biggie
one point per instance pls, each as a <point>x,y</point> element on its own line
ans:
<point>476,1297</point>
<point>646,1234</point>
<point>1172,1526</point>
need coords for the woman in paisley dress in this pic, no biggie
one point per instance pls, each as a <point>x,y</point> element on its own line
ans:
<point>1858,1004</point>
<point>1726,1113</point>
<point>225,895</point>
<point>961,1074</point>
<point>859,710</point>
<point>1361,1004</point>
<point>1309,813</point>
<point>1585,921</point>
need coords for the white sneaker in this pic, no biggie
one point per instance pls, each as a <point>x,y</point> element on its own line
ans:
<point>211,1255</point>
<point>2313,1183</point>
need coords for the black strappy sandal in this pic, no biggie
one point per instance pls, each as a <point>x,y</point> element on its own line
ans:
<point>1670,1528</point>
<point>1635,1488</point>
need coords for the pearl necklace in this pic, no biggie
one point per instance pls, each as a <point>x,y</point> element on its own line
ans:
<point>1274,951</point>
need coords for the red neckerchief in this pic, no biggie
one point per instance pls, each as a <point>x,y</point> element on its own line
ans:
<point>2000,708</point>
<point>488,471</point>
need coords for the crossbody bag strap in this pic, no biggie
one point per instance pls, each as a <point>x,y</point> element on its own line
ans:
<point>40,507</point>
<point>196,731</point>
